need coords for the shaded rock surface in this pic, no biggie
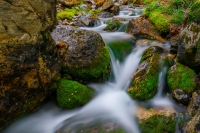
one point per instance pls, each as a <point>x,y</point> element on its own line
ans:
<point>141,27</point>
<point>189,46</point>
<point>28,60</point>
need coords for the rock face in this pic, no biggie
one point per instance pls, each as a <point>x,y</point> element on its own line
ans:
<point>181,81</point>
<point>145,80</point>
<point>189,46</point>
<point>82,52</point>
<point>141,27</point>
<point>27,58</point>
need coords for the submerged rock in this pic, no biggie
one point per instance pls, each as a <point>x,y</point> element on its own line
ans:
<point>28,60</point>
<point>181,81</point>
<point>113,25</point>
<point>145,80</point>
<point>141,27</point>
<point>189,46</point>
<point>71,94</point>
<point>85,56</point>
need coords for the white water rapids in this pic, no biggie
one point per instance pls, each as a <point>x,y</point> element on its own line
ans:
<point>111,104</point>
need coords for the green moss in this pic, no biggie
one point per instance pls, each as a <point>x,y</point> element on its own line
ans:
<point>177,17</point>
<point>120,49</point>
<point>158,124</point>
<point>160,21</point>
<point>113,25</point>
<point>66,14</point>
<point>71,94</point>
<point>98,68</point>
<point>181,77</point>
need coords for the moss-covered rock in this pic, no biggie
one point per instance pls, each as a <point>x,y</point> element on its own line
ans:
<point>182,77</point>
<point>71,94</point>
<point>145,80</point>
<point>181,82</point>
<point>113,25</point>
<point>120,49</point>
<point>158,124</point>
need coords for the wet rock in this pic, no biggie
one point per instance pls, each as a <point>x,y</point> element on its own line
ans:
<point>193,126</point>
<point>174,44</point>
<point>28,60</point>
<point>141,27</point>
<point>194,104</point>
<point>145,79</point>
<point>85,52</point>
<point>107,4</point>
<point>189,46</point>
<point>114,9</point>
<point>112,25</point>
<point>105,15</point>
<point>181,81</point>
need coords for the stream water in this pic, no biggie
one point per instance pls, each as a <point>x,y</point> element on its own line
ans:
<point>111,104</point>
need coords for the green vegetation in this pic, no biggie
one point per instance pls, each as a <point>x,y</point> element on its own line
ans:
<point>113,25</point>
<point>145,81</point>
<point>120,49</point>
<point>162,15</point>
<point>194,13</point>
<point>181,77</point>
<point>71,94</point>
<point>68,13</point>
<point>98,68</point>
<point>158,124</point>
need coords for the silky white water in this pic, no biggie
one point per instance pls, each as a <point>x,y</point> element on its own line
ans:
<point>111,103</point>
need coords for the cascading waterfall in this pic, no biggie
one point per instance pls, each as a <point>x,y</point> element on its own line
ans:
<point>111,104</point>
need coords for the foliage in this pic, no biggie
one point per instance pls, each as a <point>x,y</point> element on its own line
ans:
<point>177,17</point>
<point>71,94</point>
<point>158,124</point>
<point>182,78</point>
<point>98,68</point>
<point>120,49</point>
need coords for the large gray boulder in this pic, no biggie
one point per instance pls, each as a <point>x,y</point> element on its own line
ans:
<point>27,56</point>
<point>83,53</point>
<point>189,46</point>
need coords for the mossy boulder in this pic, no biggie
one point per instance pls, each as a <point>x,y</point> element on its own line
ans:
<point>84,56</point>
<point>189,46</point>
<point>158,124</point>
<point>143,28</point>
<point>181,82</point>
<point>120,49</point>
<point>71,94</point>
<point>113,25</point>
<point>145,80</point>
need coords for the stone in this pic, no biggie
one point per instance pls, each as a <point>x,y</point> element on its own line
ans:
<point>107,4</point>
<point>28,59</point>
<point>143,28</point>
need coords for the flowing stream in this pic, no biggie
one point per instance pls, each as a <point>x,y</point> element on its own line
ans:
<point>112,103</point>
